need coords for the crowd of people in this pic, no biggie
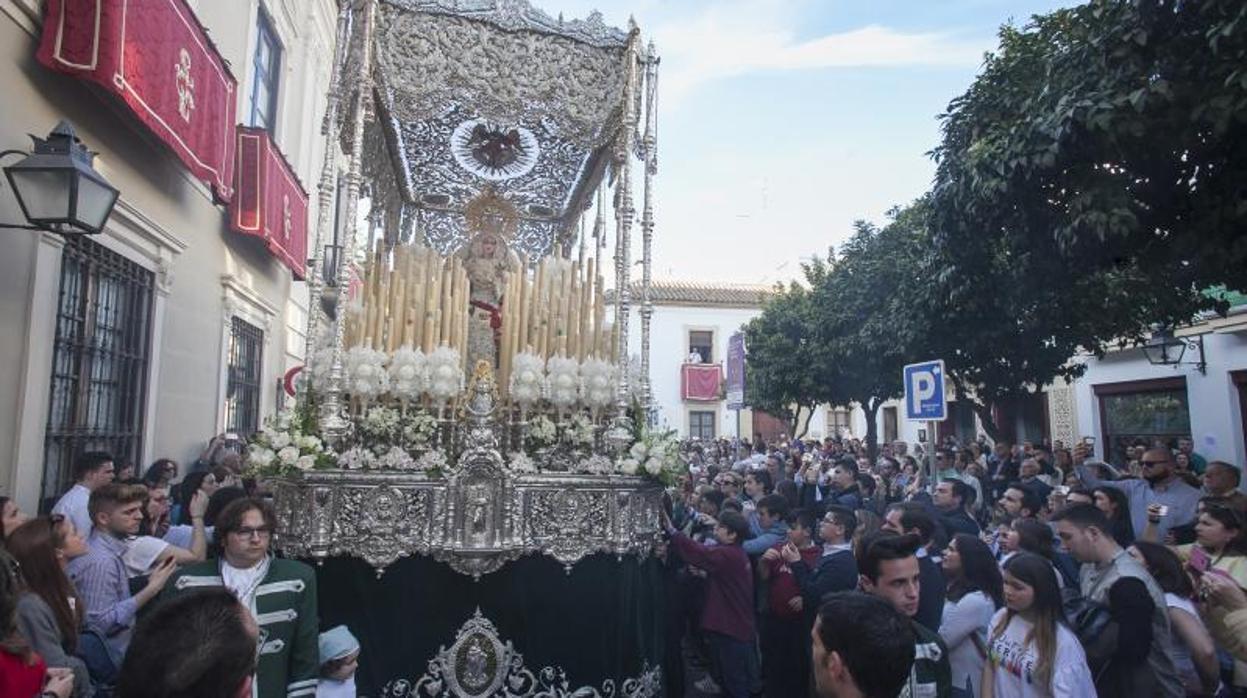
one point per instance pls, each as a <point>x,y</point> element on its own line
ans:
<point>800,569</point>
<point>140,588</point>
<point>810,568</point>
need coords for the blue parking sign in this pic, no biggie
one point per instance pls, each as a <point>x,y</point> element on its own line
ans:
<point>924,391</point>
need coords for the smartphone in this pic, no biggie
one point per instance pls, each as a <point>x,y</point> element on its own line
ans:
<point>1162,511</point>
<point>1061,491</point>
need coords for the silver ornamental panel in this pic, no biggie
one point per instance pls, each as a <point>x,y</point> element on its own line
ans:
<point>476,520</point>
<point>479,663</point>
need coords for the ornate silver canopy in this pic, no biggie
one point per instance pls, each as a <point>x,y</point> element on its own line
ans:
<point>476,92</point>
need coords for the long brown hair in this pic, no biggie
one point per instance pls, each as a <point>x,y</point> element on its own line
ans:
<point>1038,574</point>
<point>34,545</point>
<point>11,641</point>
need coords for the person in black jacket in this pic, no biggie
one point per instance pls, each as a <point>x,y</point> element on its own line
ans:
<point>951,498</point>
<point>913,518</point>
<point>837,568</point>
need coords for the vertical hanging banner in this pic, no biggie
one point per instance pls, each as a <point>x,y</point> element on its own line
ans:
<point>157,58</point>
<point>270,203</point>
<point>736,371</point>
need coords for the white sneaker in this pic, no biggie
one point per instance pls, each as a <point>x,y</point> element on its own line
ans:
<point>707,685</point>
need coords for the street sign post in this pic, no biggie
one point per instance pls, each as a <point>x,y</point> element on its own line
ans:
<point>924,400</point>
<point>736,376</point>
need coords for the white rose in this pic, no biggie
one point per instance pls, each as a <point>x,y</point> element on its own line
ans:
<point>638,451</point>
<point>407,372</point>
<point>628,466</point>
<point>653,466</point>
<point>305,462</point>
<point>279,440</point>
<point>288,455</point>
<point>260,457</point>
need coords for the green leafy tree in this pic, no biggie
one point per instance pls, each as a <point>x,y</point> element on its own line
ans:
<point>1090,183</point>
<point>779,377</point>
<point>866,326</point>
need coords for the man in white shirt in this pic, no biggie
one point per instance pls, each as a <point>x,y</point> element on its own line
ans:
<point>92,470</point>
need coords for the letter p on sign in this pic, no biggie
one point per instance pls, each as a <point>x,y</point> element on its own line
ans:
<point>924,391</point>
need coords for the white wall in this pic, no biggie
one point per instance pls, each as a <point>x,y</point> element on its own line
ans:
<point>1216,424</point>
<point>167,222</point>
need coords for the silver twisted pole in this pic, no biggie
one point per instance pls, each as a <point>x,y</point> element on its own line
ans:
<point>649,145</point>
<point>333,422</point>
<point>324,198</point>
<point>624,214</point>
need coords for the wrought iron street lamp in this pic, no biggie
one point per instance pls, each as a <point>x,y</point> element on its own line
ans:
<point>1164,349</point>
<point>57,187</point>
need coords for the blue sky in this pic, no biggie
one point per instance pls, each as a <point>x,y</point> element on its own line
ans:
<point>783,121</point>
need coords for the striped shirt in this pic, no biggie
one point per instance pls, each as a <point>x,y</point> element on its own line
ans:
<point>103,585</point>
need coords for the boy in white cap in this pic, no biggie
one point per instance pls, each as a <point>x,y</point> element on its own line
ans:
<point>339,658</point>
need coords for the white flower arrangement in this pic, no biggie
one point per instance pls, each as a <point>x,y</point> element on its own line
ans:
<point>282,447</point>
<point>432,460</point>
<point>562,381</point>
<point>409,375</point>
<point>357,458</point>
<point>521,463</point>
<point>419,428</point>
<point>581,431</point>
<point>527,378</point>
<point>542,431</point>
<point>288,455</point>
<point>396,459</point>
<point>445,374</point>
<point>259,457</point>
<point>380,424</point>
<point>656,455</point>
<point>598,464</point>
<point>597,384</point>
<point>366,379</point>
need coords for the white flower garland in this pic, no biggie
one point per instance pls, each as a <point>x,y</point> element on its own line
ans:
<point>597,384</point>
<point>445,374</point>
<point>409,375</point>
<point>562,381</point>
<point>527,378</point>
<point>366,379</point>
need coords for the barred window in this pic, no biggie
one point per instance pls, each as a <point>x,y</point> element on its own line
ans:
<point>242,391</point>
<point>100,358</point>
<point>701,425</point>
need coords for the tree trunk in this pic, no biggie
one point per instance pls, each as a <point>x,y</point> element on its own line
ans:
<point>872,428</point>
<point>805,428</point>
<point>987,416</point>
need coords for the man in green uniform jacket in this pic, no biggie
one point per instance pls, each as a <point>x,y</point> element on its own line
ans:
<point>281,595</point>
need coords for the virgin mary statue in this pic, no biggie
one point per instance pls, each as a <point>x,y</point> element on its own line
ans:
<point>487,258</point>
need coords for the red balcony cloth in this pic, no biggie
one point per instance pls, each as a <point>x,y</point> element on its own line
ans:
<point>269,201</point>
<point>155,57</point>
<point>700,381</point>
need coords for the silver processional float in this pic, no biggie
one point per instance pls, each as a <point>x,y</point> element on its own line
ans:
<point>468,397</point>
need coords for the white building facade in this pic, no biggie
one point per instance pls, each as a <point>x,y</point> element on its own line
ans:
<point>170,326</point>
<point>694,317</point>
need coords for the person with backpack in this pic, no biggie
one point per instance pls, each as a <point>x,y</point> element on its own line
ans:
<point>1140,661</point>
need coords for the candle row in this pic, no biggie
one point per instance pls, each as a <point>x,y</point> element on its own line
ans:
<point>560,310</point>
<point>412,297</point>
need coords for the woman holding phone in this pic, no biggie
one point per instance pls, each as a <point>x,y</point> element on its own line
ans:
<point>1217,558</point>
